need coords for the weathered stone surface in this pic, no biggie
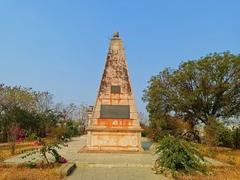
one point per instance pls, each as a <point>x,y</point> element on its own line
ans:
<point>116,127</point>
<point>67,169</point>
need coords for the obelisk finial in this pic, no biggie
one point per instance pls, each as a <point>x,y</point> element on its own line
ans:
<point>116,34</point>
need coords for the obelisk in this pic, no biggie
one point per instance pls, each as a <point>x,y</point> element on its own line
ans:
<point>113,121</point>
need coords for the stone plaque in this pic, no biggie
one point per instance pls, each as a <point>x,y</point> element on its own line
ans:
<point>115,89</point>
<point>115,112</point>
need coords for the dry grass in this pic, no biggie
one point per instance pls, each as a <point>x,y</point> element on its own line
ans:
<point>22,147</point>
<point>226,155</point>
<point>23,173</point>
<point>214,173</point>
<point>5,150</point>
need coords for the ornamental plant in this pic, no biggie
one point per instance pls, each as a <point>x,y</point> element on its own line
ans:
<point>176,154</point>
<point>47,148</point>
<point>15,135</point>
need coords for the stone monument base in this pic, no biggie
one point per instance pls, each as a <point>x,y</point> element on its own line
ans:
<point>114,139</point>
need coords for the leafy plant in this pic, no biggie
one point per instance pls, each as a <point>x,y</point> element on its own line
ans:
<point>47,148</point>
<point>236,138</point>
<point>31,164</point>
<point>217,134</point>
<point>177,154</point>
<point>71,129</point>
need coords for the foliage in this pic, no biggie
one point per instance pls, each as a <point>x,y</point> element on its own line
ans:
<point>172,126</point>
<point>177,154</point>
<point>144,133</point>
<point>57,132</point>
<point>47,148</point>
<point>30,164</point>
<point>216,134</point>
<point>15,134</point>
<point>36,113</point>
<point>197,90</point>
<point>236,138</point>
<point>211,132</point>
<point>72,129</point>
<point>225,136</point>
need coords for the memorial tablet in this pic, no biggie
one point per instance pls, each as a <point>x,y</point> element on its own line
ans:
<point>115,112</point>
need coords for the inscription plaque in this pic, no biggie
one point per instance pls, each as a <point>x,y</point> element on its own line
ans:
<point>115,112</point>
<point>115,89</point>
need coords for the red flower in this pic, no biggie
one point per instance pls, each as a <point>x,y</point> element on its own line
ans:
<point>62,160</point>
<point>38,143</point>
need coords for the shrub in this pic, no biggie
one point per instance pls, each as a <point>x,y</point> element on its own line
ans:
<point>210,132</point>
<point>57,132</point>
<point>72,129</point>
<point>178,154</point>
<point>236,138</point>
<point>224,136</point>
<point>216,134</point>
<point>30,164</point>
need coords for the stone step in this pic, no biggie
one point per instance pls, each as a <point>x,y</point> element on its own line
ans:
<point>115,165</point>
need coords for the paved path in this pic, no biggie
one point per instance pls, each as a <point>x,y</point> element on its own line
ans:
<point>117,173</point>
<point>104,166</point>
<point>70,152</point>
<point>115,166</point>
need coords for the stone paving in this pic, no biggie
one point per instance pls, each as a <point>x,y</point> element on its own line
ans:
<point>115,173</point>
<point>104,166</point>
<point>115,166</point>
<point>70,152</point>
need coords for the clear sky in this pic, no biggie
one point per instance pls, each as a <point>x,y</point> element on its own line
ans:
<point>60,46</point>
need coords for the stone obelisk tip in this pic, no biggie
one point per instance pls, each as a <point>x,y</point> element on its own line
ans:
<point>116,34</point>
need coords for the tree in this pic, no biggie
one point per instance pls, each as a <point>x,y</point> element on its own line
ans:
<point>197,90</point>
<point>66,113</point>
<point>15,103</point>
<point>82,116</point>
<point>44,101</point>
<point>143,118</point>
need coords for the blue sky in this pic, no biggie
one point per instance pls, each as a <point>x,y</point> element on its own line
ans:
<point>60,46</point>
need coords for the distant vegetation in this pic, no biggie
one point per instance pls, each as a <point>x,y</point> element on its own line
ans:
<point>195,102</point>
<point>199,92</point>
<point>24,111</point>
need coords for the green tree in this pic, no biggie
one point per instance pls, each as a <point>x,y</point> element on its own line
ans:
<point>15,102</point>
<point>197,90</point>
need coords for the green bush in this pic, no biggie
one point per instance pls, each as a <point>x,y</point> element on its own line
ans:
<point>236,138</point>
<point>57,132</point>
<point>144,133</point>
<point>217,134</point>
<point>178,154</point>
<point>72,129</point>
<point>224,136</point>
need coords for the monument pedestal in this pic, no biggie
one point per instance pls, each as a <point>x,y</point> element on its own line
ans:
<point>114,139</point>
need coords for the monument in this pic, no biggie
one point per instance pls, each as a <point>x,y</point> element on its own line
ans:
<point>113,121</point>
